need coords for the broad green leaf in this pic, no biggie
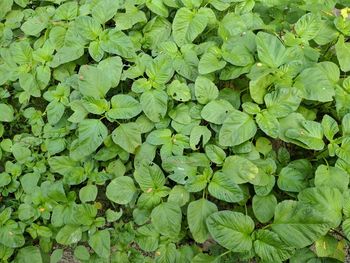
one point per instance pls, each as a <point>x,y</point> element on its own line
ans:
<point>237,53</point>
<point>200,135</point>
<point>105,10</point>
<point>92,133</point>
<point>34,25</point>
<point>179,91</point>
<point>210,62</point>
<point>29,254</point>
<point>116,42</point>
<point>294,177</point>
<point>187,25</point>
<point>127,136</point>
<point>342,50</point>
<point>282,101</point>
<point>159,137</point>
<point>69,234</point>
<point>215,153</point>
<point>264,207</point>
<point>308,26</point>
<point>331,177</point>
<point>224,187</point>
<point>88,193</point>
<point>149,176</point>
<point>124,107</point>
<point>240,169</point>
<point>216,111</point>
<point>158,7</point>
<point>121,190</point>
<point>317,82</point>
<point>205,90</point>
<point>88,27</point>
<point>325,199</point>
<point>197,213</point>
<point>267,123</point>
<point>270,248</point>
<point>66,11</point>
<point>237,128</point>
<point>147,238</point>
<point>7,113</point>
<point>11,235</point>
<point>81,253</point>
<point>299,225</point>
<point>100,242</point>
<point>166,218</point>
<point>154,104</point>
<point>231,230</point>
<point>270,50</point>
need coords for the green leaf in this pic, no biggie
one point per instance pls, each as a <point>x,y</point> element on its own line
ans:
<point>298,225</point>
<point>29,254</point>
<point>116,42</point>
<point>81,253</point>
<point>199,134</point>
<point>127,136</point>
<point>331,177</point>
<point>342,50</point>
<point>66,11</point>
<point>96,81</point>
<point>55,111</point>
<point>147,238</point>
<point>236,52</point>
<point>154,104</point>
<point>105,10</point>
<point>270,50</point>
<point>210,62</point>
<point>149,176</point>
<point>69,234</point>
<point>270,248</point>
<point>88,193</point>
<point>268,123</point>
<point>237,128</point>
<point>158,7</point>
<point>216,111</point>
<point>33,26</point>
<point>121,190</point>
<point>325,199</point>
<point>179,91</point>
<point>317,82</point>
<point>100,242</point>
<point>197,213</point>
<point>124,107</point>
<point>159,137</point>
<point>224,187</point>
<point>11,235</point>
<point>294,177</point>
<point>264,207</point>
<point>92,133</point>
<point>88,27</point>
<point>282,101</point>
<point>187,25</point>
<point>308,26</point>
<point>330,127</point>
<point>240,169</point>
<point>166,219</point>
<point>56,255</point>
<point>7,113</point>
<point>215,153</point>
<point>231,230</point>
<point>205,90</point>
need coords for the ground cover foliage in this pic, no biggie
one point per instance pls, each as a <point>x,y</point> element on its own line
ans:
<point>174,130</point>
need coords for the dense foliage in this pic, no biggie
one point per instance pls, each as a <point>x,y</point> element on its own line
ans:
<point>174,130</point>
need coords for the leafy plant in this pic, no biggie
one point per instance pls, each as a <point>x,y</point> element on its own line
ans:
<point>174,130</point>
